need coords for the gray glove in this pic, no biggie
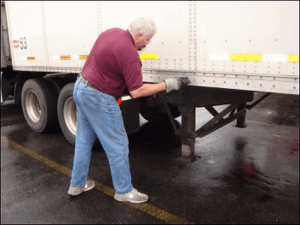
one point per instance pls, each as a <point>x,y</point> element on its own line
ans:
<point>176,83</point>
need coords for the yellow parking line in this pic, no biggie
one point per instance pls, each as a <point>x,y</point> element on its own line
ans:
<point>252,121</point>
<point>144,207</point>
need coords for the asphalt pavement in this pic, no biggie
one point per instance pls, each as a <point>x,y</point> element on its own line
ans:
<point>241,175</point>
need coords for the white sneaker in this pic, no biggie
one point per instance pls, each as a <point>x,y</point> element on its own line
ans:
<point>78,190</point>
<point>134,197</point>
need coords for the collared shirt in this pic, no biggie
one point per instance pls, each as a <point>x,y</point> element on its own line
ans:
<point>114,63</point>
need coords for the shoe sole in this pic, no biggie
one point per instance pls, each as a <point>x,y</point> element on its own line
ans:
<point>132,201</point>
<point>74,194</point>
<point>83,190</point>
<point>90,188</point>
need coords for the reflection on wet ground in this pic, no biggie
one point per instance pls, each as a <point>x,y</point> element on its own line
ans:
<point>242,175</point>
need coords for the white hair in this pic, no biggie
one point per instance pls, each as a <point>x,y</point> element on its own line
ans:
<point>142,25</point>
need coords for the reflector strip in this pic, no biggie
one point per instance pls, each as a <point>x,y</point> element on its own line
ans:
<point>31,58</point>
<point>219,56</point>
<point>293,58</point>
<point>149,56</point>
<point>74,57</point>
<point>274,58</point>
<point>83,57</point>
<point>65,57</point>
<point>242,57</point>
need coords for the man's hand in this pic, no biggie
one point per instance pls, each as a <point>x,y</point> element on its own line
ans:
<point>176,83</point>
<point>168,85</point>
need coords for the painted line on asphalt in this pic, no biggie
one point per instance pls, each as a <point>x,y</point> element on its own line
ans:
<point>144,207</point>
<point>262,123</point>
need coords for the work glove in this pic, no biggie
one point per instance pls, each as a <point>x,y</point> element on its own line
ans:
<point>176,83</point>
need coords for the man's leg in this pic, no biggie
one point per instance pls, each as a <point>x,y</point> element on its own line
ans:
<point>110,130</point>
<point>85,138</point>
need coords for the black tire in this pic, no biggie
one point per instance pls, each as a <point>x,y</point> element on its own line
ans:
<point>66,111</point>
<point>55,85</point>
<point>39,104</point>
<point>157,114</point>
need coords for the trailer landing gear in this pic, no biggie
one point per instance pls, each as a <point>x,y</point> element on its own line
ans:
<point>188,99</point>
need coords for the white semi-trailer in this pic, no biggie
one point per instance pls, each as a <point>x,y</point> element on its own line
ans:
<point>228,50</point>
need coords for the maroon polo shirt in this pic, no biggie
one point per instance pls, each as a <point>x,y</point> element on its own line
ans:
<point>114,63</point>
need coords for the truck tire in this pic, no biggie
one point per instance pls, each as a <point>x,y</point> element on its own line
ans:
<point>39,102</point>
<point>157,114</point>
<point>66,111</point>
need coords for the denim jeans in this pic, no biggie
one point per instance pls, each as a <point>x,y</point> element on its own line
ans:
<point>98,114</point>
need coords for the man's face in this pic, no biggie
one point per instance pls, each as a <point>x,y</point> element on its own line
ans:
<point>142,40</point>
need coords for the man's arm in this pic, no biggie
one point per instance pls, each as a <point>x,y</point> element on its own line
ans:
<point>168,85</point>
<point>148,89</point>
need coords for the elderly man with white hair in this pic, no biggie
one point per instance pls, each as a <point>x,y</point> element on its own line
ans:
<point>113,64</point>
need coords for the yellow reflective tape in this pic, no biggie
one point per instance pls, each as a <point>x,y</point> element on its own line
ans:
<point>65,57</point>
<point>149,56</point>
<point>83,57</point>
<point>31,58</point>
<point>293,58</point>
<point>248,57</point>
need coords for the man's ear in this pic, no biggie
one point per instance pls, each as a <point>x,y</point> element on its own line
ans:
<point>138,34</point>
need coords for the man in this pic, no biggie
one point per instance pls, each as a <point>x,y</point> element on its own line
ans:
<point>113,64</point>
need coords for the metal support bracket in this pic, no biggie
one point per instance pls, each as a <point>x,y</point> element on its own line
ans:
<point>187,131</point>
<point>190,97</point>
<point>218,121</point>
<point>258,100</point>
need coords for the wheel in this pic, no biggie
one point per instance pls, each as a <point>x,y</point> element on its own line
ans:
<point>153,110</point>
<point>39,100</point>
<point>67,114</point>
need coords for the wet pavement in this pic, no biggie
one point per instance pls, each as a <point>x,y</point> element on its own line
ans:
<point>242,175</point>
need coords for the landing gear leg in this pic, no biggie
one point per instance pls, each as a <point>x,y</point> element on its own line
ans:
<point>187,131</point>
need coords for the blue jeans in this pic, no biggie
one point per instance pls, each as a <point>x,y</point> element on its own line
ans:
<point>98,114</point>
